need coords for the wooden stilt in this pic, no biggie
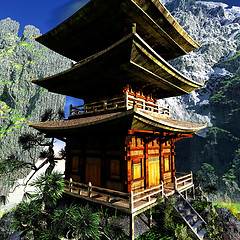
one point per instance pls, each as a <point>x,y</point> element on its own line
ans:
<point>186,194</point>
<point>150,218</point>
<point>132,227</point>
<point>193,191</point>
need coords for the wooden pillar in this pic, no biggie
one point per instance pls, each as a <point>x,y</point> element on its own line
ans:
<point>193,192</point>
<point>173,159</point>
<point>150,218</point>
<point>70,185</point>
<point>146,164</point>
<point>128,176</point>
<point>132,226</point>
<point>186,194</point>
<point>161,162</point>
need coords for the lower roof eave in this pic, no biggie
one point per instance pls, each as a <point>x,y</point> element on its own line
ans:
<point>116,122</point>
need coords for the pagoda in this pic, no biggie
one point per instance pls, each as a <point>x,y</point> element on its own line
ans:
<point>120,142</point>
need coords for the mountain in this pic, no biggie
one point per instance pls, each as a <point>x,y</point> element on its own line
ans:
<point>22,58</point>
<point>214,152</point>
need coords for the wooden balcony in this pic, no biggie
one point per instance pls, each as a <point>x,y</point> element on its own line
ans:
<point>132,203</point>
<point>183,181</point>
<point>128,101</point>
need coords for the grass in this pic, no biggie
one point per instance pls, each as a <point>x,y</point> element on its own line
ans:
<point>232,207</point>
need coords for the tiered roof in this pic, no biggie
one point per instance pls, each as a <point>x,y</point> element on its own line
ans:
<point>119,43</point>
<point>129,61</point>
<point>101,23</point>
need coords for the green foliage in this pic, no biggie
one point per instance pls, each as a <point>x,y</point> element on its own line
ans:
<point>38,215</point>
<point>48,188</point>
<point>233,174</point>
<point>215,226</point>
<point>26,215</point>
<point>180,232</point>
<point>154,234</point>
<point>168,215</point>
<point>79,222</point>
<point>234,208</point>
<point>113,230</point>
<point>199,206</point>
<point>169,225</point>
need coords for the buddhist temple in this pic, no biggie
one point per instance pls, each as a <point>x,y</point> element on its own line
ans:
<point>120,142</point>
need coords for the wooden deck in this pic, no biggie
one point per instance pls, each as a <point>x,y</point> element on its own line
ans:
<point>127,202</point>
<point>133,202</point>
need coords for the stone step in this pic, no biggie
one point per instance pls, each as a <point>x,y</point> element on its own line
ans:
<point>180,204</point>
<point>201,233</point>
<point>197,225</point>
<point>185,211</point>
<point>192,218</point>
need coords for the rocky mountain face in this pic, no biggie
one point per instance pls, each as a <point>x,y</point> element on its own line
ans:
<point>22,58</point>
<point>214,152</point>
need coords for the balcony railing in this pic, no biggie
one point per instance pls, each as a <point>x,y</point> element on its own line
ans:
<point>127,202</point>
<point>121,103</point>
<point>183,181</point>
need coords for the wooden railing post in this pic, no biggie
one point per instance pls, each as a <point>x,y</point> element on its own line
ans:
<point>89,189</point>
<point>70,185</point>
<point>70,113</point>
<point>131,206</point>
<point>105,105</point>
<point>162,190</point>
<point>175,183</point>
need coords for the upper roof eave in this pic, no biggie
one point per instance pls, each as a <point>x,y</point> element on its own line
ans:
<point>126,57</point>
<point>72,36</point>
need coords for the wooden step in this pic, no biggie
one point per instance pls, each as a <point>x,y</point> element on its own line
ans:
<point>201,233</point>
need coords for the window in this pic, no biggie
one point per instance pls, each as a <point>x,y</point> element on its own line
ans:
<point>166,164</point>
<point>137,169</point>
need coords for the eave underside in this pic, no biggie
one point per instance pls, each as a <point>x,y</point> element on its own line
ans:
<point>129,61</point>
<point>120,122</point>
<point>88,31</point>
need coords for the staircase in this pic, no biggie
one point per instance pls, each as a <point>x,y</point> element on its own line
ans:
<point>194,221</point>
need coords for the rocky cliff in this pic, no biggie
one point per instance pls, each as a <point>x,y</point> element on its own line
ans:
<point>22,58</point>
<point>214,152</point>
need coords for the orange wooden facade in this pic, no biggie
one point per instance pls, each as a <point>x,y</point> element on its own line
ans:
<point>135,161</point>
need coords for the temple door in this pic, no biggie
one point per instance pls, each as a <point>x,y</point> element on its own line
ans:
<point>154,172</point>
<point>167,168</point>
<point>93,171</point>
<point>137,174</point>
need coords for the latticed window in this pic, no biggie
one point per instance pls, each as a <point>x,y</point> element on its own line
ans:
<point>166,164</point>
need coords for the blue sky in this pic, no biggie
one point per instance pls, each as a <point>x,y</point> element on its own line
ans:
<point>46,14</point>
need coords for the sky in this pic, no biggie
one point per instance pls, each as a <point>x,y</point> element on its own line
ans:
<point>46,14</point>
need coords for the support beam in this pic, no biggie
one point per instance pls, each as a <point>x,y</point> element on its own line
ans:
<point>150,218</point>
<point>132,226</point>
<point>193,193</point>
